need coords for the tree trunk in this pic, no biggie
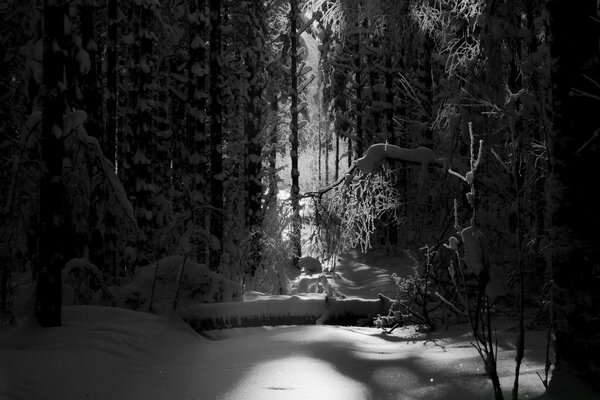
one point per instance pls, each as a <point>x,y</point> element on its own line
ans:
<point>216,142</point>
<point>51,237</point>
<point>358,99</point>
<point>138,156</point>
<point>110,135</point>
<point>254,187</point>
<point>196,116</point>
<point>296,225</point>
<point>573,198</point>
<point>109,141</point>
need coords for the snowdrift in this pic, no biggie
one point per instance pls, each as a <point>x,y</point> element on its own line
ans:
<point>155,287</point>
<point>111,353</point>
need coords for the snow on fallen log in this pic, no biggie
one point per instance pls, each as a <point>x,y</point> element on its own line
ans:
<point>285,310</point>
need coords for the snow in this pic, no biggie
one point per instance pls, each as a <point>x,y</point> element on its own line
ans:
<point>165,287</point>
<point>112,353</point>
<point>474,242</point>
<point>377,152</point>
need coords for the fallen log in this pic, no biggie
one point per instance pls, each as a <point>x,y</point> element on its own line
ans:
<point>285,310</point>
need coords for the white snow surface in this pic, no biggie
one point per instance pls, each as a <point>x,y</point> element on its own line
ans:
<point>113,353</point>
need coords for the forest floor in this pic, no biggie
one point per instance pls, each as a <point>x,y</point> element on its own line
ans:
<point>111,353</point>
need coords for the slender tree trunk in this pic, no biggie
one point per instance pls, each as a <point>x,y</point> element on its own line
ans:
<point>389,99</point>
<point>320,142</point>
<point>51,237</point>
<point>271,201</point>
<point>216,137</point>
<point>327,144</point>
<point>296,225</point>
<point>337,158</point>
<point>109,142</point>
<point>110,135</point>
<point>358,101</point>
<point>573,198</point>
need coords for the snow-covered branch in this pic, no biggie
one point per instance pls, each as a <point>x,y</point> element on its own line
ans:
<point>376,154</point>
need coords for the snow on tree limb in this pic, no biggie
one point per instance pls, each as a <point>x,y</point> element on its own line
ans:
<point>321,191</point>
<point>109,172</point>
<point>377,152</point>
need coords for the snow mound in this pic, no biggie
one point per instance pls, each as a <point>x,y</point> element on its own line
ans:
<point>170,280</point>
<point>112,353</point>
<point>98,353</point>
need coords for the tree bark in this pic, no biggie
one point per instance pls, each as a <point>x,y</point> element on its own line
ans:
<point>254,187</point>
<point>109,141</point>
<point>572,197</point>
<point>195,118</point>
<point>50,260</point>
<point>296,225</point>
<point>216,138</point>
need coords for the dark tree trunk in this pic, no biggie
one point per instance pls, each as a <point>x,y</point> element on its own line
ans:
<point>138,156</point>
<point>358,100</point>
<point>92,103</point>
<point>109,141</point>
<point>110,133</point>
<point>573,198</point>
<point>327,145</point>
<point>51,226</point>
<point>92,96</point>
<point>389,99</point>
<point>271,201</point>
<point>336,167</point>
<point>216,138</point>
<point>296,225</point>
<point>196,138</point>
<point>254,187</point>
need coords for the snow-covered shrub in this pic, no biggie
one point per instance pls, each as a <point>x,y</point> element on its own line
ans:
<point>273,275</point>
<point>175,280</point>
<point>84,283</point>
<point>416,292</point>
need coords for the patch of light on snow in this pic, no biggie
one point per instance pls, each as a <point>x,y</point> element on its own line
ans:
<point>297,377</point>
<point>394,379</point>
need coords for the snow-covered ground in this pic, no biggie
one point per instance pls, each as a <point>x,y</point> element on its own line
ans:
<point>112,353</point>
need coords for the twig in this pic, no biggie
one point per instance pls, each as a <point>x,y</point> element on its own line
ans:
<point>320,192</point>
<point>180,277</point>
<point>594,136</point>
<point>153,287</point>
<point>442,298</point>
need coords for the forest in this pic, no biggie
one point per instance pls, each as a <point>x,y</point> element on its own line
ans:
<point>190,156</point>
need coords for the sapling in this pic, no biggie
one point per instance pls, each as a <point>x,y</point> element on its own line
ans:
<point>476,261</point>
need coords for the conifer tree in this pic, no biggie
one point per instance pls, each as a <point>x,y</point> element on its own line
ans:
<point>254,61</point>
<point>216,137</point>
<point>294,130</point>
<point>50,259</point>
